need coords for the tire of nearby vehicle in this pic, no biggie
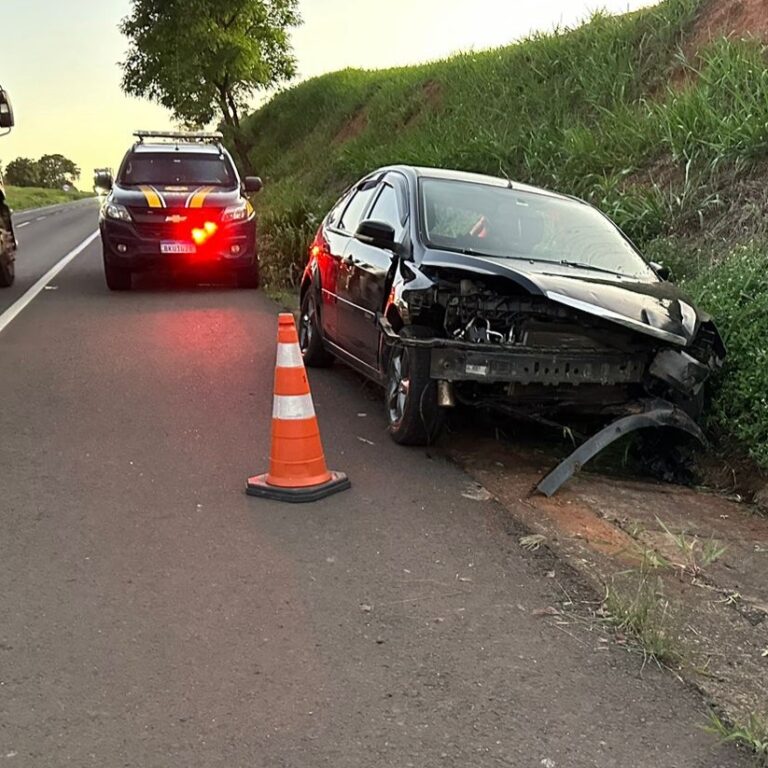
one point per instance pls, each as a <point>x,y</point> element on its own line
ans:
<point>117,279</point>
<point>413,415</point>
<point>7,274</point>
<point>7,264</point>
<point>248,277</point>
<point>310,334</point>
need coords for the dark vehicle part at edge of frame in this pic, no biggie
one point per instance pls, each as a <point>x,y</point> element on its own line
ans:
<point>7,238</point>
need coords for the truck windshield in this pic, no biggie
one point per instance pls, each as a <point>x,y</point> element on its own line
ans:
<point>501,222</point>
<point>168,169</point>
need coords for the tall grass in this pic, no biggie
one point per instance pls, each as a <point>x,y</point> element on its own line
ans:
<point>24,198</point>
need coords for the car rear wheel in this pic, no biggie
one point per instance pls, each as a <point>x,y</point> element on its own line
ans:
<point>248,277</point>
<point>117,279</point>
<point>413,415</point>
<point>310,335</point>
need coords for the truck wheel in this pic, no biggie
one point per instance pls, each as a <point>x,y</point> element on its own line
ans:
<point>248,277</point>
<point>7,263</point>
<point>413,415</point>
<point>117,279</point>
<point>310,334</point>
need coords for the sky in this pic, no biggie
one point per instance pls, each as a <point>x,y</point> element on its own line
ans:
<point>59,58</point>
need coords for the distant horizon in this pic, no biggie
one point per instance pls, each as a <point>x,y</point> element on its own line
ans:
<point>67,99</point>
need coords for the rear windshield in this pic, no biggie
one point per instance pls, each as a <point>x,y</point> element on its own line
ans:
<point>170,168</point>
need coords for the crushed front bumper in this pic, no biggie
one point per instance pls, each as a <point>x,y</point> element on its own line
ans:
<point>454,361</point>
<point>461,361</point>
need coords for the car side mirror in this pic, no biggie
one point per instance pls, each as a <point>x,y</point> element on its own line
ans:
<point>378,234</point>
<point>103,180</point>
<point>662,272</point>
<point>253,184</point>
<point>6,111</point>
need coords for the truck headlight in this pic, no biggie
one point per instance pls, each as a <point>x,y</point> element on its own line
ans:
<point>117,211</point>
<point>239,212</point>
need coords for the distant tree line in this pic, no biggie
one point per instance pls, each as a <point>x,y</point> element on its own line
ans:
<point>50,172</point>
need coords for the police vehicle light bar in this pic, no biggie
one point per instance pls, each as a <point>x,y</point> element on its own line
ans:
<point>180,135</point>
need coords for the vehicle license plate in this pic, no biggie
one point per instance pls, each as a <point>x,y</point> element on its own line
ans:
<point>177,248</point>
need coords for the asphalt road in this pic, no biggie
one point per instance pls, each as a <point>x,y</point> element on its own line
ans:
<point>152,615</point>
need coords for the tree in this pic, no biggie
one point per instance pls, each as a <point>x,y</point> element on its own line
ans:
<point>204,59</point>
<point>22,172</point>
<point>54,171</point>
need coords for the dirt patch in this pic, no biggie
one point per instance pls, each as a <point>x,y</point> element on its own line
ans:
<point>430,99</point>
<point>353,128</point>
<point>732,19</point>
<point>708,554</point>
<point>736,19</point>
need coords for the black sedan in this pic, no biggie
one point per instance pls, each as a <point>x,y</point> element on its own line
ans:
<point>448,287</point>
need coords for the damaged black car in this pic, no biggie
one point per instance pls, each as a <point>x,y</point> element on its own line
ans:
<point>447,287</point>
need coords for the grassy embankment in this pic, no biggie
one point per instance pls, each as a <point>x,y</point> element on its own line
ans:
<point>672,145</point>
<point>24,198</point>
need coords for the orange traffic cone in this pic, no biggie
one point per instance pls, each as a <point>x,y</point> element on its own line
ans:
<point>297,470</point>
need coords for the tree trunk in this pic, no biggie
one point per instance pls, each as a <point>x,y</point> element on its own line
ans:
<point>232,119</point>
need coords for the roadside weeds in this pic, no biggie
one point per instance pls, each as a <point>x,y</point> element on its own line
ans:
<point>678,576</point>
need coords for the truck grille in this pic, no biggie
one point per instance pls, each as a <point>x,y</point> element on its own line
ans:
<point>169,223</point>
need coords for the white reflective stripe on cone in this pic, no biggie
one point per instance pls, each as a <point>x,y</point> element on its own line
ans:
<point>292,407</point>
<point>289,356</point>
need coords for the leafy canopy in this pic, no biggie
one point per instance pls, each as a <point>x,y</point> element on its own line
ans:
<point>204,58</point>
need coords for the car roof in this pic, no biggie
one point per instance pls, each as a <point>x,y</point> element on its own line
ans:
<point>421,172</point>
<point>189,147</point>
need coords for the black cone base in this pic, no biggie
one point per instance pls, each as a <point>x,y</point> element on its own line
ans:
<point>257,486</point>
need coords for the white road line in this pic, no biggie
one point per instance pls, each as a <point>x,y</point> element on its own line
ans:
<point>18,306</point>
<point>23,224</point>
<point>40,218</point>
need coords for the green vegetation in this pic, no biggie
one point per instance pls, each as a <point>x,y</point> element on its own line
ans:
<point>640,611</point>
<point>753,735</point>
<point>672,145</point>
<point>50,172</point>
<point>23,198</point>
<point>223,52</point>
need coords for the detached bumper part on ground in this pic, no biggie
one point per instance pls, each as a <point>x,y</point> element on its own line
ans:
<point>652,413</point>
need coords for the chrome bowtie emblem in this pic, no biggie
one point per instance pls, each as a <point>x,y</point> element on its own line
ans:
<point>175,219</point>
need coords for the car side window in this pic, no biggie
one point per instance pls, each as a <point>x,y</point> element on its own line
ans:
<point>338,209</point>
<point>357,205</point>
<point>387,209</point>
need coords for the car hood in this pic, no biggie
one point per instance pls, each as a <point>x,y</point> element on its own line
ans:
<point>652,307</point>
<point>178,196</point>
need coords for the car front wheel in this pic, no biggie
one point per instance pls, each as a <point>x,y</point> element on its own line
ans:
<point>248,277</point>
<point>413,415</point>
<point>117,279</point>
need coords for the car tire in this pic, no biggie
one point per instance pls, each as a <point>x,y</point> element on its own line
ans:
<point>118,279</point>
<point>7,263</point>
<point>248,277</point>
<point>7,273</point>
<point>311,335</point>
<point>410,396</point>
